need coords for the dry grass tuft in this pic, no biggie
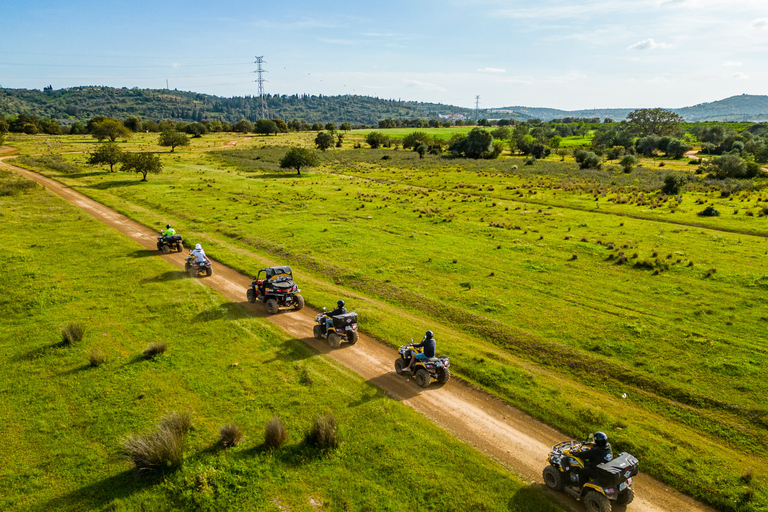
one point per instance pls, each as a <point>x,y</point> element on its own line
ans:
<point>72,333</point>
<point>275,433</point>
<point>179,422</point>
<point>323,433</point>
<point>97,356</point>
<point>155,349</point>
<point>230,435</point>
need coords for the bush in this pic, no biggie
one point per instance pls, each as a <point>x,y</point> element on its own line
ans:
<point>97,357</point>
<point>178,422</point>
<point>589,160</point>
<point>275,433</point>
<point>323,433</point>
<point>230,435</point>
<point>72,333</point>
<point>709,211</point>
<point>628,162</point>
<point>155,349</point>
<point>672,184</point>
<point>156,452</point>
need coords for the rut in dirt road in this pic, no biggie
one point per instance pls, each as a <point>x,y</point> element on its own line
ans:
<point>486,423</point>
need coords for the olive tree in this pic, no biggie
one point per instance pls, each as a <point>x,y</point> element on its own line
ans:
<point>143,163</point>
<point>296,158</point>
<point>323,141</point>
<point>173,139</point>
<point>108,153</point>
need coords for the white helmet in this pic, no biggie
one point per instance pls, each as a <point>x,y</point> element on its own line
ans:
<point>198,247</point>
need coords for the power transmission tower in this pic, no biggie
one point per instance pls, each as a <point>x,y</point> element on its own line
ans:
<point>264,112</point>
<point>477,108</point>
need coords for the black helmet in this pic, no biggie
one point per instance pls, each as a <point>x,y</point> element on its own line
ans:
<point>428,335</point>
<point>601,439</point>
<point>167,226</point>
<point>340,303</point>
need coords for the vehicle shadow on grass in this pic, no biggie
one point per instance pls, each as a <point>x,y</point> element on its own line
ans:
<point>228,310</point>
<point>171,275</point>
<point>97,495</point>
<point>144,253</point>
<point>537,497</point>
<point>401,387</point>
<point>292,350</point>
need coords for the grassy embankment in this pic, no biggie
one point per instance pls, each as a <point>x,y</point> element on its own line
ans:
<point>570,295</point>
<point>63,420</point>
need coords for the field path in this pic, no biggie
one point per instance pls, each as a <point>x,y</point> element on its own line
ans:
<point>501,431</point>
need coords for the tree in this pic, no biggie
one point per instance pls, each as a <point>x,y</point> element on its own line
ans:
<point>109,129</point>
<point>281,125</point>
<point>243,126</point>
<point>587,159</point>
<point>647,145</point>
<point>628,162</point>
<point>317,127</point>
<point>133,123</point>
<point>196,130</point>
<point>676,148</point>
<point>416,139</point>
<point>477,144</point>
<point>77,129</point>
<point>265,127</point>
<point>421,149</point>
<point>653,121</point>
<point>539,151</point>
<point>346,127</point>
<point>50,127</point>
<point>296,158</point>
<point>108,153</point>
<point>376,140</point>
<point>323,141</point>
<point>173,139</point>
<point>331,127</point>
<point>502,132</point>
<point>143,163</point>
<point>672,184</point>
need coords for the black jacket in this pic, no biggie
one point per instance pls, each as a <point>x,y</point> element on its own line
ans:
<point>596,455</point>
<point>429,346</point>
<point>338,311</point>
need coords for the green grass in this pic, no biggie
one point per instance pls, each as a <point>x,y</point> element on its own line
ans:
<point>63,420</point>
<point>482,253</point>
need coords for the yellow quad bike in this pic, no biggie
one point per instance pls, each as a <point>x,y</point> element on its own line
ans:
<point>424,370</point>
<point>612,481</point>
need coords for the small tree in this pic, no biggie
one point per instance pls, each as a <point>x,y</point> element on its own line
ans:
<point>143,163</point>
<point>265,127</point>
<point>242,126</point>
<point>323,141</point>
<point>109,129</point>
<point>281,125</point>
<point>421,149</point>
<point>331,127</point>
<point>173,138</point>
<point>346,127</point>
<point>672,184</point>
<point>628,162</point>
<point>376,140</point>
<point>296,158</point>
<point>676,148</point>
<point>108,153</point>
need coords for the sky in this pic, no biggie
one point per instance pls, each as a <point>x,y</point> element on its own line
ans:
<point>576,54</point>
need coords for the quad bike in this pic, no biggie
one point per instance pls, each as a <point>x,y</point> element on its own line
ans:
<point>274,286</point>
<point>343,327</point>
<point>167,243</point>
<point>424,370</point>
<point>612,481</point>
<point>194,268</point>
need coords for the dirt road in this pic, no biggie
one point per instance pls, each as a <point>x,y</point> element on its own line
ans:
<point>491,426</point>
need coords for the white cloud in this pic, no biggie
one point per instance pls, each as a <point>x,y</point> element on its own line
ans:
<point>648,44</point>
<point>760,23</point>
<point>740,76</point>
<point>491,70</point>
<point>425,86</point>
<point>732,64</point>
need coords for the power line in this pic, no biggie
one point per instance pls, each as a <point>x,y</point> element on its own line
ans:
<point>260,70</point>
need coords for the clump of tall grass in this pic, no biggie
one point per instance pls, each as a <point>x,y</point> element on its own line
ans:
<point>97,356</point>
<point>179,422</point>
<point>154,349</point>
<point>230,435</point>
<point>72,333</point>
<point>323,433</point>
<point>161,450</point>
<point>275,433</point>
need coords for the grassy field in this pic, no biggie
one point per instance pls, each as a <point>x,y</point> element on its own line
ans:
<point>556,289</point>
<point>63,420</point>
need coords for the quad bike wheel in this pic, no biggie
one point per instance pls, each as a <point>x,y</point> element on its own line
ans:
<point>318,332</point>
<point>250,295</point>
<point>596,502</point>
<point>399,365</point>
<point>179,248</point>
<point>166,249</point>
<point>159,246</point>
<point>352,337</point>
<point>553,478</point>
<point>443,375</point>
<point>272,306</point>
<point>208,271</point>
<point>422,377</point>
<point>299,302</point>
<point>333,340</point>
<point>625,497</point>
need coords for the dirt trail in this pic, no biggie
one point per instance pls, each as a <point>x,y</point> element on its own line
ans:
<point>501,431</point>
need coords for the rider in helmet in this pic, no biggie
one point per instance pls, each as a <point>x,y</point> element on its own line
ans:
<point>340,310</point>
<point>597,453</point>
<point>168,231</point>
<point>429,344</point>
<point>199,254</point>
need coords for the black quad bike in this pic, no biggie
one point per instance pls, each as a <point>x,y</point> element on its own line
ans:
<point>424,370</point>
<point>194,268</point>
<point>169,243</point>
<point>343,328</point>
<point>612,481</point>
<point>274,286</point>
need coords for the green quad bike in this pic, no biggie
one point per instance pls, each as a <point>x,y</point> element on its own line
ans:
<point>274,287</point>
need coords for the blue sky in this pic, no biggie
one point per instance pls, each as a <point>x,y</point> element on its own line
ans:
<point>549,53</point>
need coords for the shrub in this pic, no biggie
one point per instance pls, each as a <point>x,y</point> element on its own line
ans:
<point>178,422</point>
<point>97,357</point>
<point>72,333</point>
<point>323,433</point>
<point>155,349</point>
<point>275,433</point>
<point>628,162</point>
<point>230,435</point>
<point>156,452</point>
<point>530,161</point>
<point>709,211</point>
<point>672,184</point>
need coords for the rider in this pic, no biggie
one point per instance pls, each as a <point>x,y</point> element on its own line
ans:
<point>340,310</point>
<point>168,231</point>
<point>598,453</point>
<point>199,254</point>
<point>428,343</point>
